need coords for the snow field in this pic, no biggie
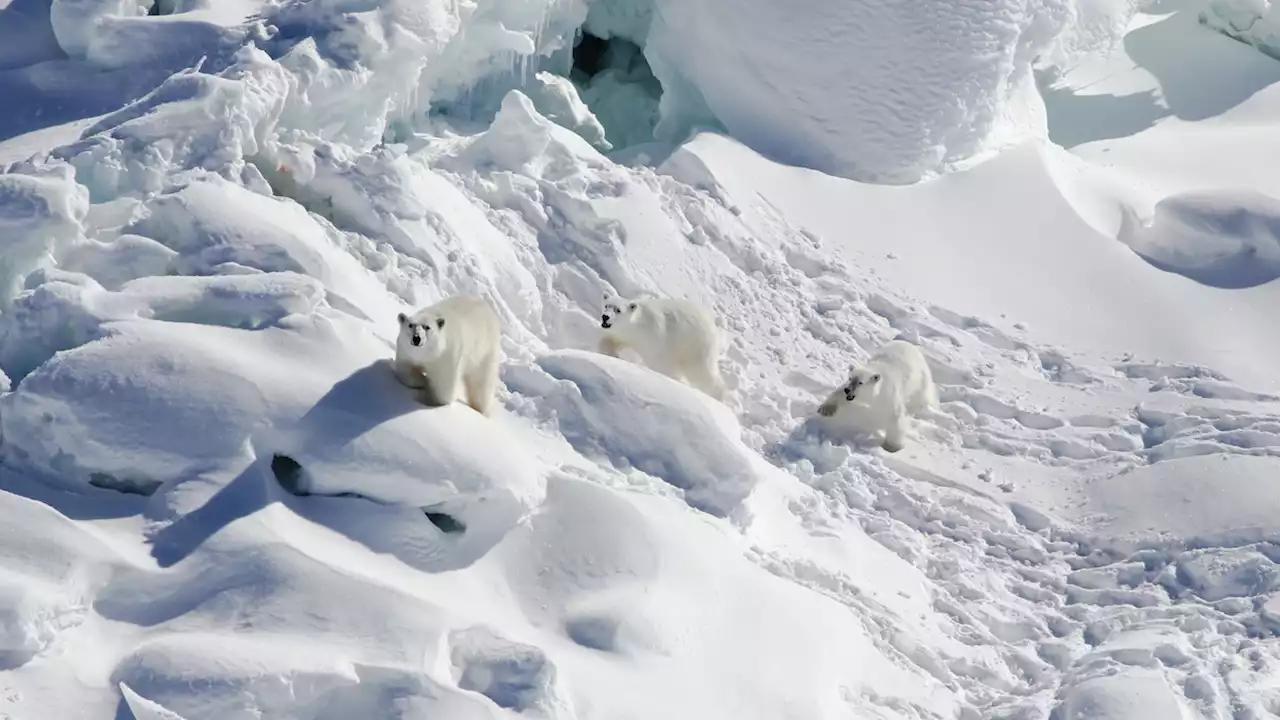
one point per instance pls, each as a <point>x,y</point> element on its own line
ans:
<point>199,313</point>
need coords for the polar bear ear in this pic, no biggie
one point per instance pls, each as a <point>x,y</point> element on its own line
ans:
<point>401,317</point>
<point>439,323</point>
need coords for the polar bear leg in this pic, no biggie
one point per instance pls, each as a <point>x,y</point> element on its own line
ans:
<point>444,387</point>
<point>667,366</point>
<point>705,375</point>
<point>929,398</point>
<point>926,397</point>
<point>482,383</point>
<point>610,345</point>
<point>895,438</point>
<point>895,435</point>
<point>831,405</point>
<point>410,375</point>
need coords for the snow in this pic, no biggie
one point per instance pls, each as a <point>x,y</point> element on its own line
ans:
<point>220,503</point>
<point>877,91</point>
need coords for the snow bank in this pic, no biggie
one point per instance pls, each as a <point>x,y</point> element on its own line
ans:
<point>74,21</point>
<point>877,90</point>
<point>1226,239</point>
<point>637,418</point>
<point>636,587</point>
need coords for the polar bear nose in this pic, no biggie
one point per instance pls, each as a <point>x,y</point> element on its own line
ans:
<point>416,340</point>
<point>604,320</point>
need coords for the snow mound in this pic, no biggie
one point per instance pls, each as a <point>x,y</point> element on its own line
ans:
<point>637,418</point>
<point>370,437</point>
<point>521,140</point>
<point>1225,239</point>
<point>219,503</point>
<point>879,91</point>
<point>1129,694</point>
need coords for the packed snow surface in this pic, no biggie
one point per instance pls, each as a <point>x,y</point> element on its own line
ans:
<point>220,504</point>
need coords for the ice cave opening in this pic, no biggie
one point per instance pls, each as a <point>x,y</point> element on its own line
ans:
<point>614,80</point>
<point>601,88</point>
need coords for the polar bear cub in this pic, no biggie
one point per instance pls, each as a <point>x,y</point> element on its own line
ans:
<point>675,337</point>
<point>450,346</point>
<point>880,396</point>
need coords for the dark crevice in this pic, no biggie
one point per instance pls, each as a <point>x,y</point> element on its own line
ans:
<point>128,487</point>
<point>292,477</point>
<point>589,54</point>
<point>446,523</point>
<point>615,81</point>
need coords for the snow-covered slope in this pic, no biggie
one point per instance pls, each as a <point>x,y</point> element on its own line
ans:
<point>220,504</point>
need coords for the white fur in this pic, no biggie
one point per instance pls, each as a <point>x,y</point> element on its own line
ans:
<point>460,355</point>
<point>894,384</point>
<point>677,338</point>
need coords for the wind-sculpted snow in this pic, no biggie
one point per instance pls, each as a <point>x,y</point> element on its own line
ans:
<point>220,503</point>
<point>1223,239</point>
<point>881,91</point>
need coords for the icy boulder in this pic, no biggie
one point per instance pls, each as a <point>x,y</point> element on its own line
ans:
<point>884,91</point>
<point>557,99</point>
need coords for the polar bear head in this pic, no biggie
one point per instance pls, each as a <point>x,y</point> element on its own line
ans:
<point>863,384</point>
<point>618,312</point>
<point>422,333</point>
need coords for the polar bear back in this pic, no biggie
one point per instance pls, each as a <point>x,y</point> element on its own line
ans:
<point>474,319</point>
<point>674,326</point>
<point>905,372</point>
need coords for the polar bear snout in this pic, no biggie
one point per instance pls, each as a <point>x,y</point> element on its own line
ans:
<point>604,321</point>
<point>416,338</point>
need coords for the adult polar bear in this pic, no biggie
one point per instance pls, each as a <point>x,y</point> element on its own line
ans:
<point>675,337</point>
<point>880,396</point>
<point>452,343</point>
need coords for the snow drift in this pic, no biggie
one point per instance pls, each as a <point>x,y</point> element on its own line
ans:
<point>219,503</point>
<point>881,91</point>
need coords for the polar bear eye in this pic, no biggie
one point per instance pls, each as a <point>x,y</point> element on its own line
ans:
<point>632,306</point>
<point>439,323</point>
<point>875,378</point>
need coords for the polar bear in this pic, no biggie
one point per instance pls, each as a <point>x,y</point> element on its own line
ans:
<point>678,338</point>
<point>455,341</point>
<point>880,396</point>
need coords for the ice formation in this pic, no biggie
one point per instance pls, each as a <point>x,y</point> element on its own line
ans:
<point>219,503</point>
